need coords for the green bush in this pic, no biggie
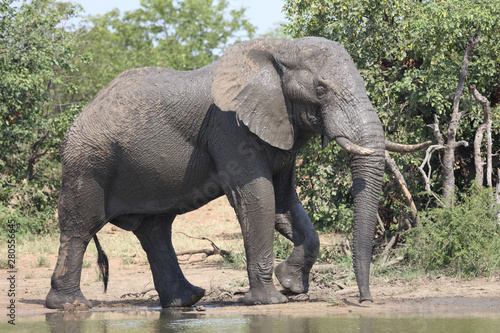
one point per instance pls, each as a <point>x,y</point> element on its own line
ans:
<point>324,179</point>
<point>36,62</point>
<point>235,260</point>
<point>282,247</point>
<point>463,240</point>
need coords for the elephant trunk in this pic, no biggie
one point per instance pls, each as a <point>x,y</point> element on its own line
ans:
<point>367,174</point>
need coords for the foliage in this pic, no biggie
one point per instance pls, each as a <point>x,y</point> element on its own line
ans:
<point>181,35</point>
<point>325,186</point>
<point>235,260</point>
<point>282,247</point>
<point>35,56</point>
<point>463,240</point>
<point>409,54</point>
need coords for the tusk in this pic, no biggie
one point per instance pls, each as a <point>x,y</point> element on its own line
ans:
<point>400,148</point>
<point>353,148</point>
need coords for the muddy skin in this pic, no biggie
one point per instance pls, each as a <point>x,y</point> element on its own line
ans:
<point>156,143</point>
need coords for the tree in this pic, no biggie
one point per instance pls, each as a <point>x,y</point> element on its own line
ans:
<point>181,35</point>
<point>35,55</point>
<point>410,54</point>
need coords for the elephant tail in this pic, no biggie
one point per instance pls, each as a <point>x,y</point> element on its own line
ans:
<point>102,262</point>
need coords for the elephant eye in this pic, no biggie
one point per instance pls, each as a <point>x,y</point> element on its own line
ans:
<point>320,91</point>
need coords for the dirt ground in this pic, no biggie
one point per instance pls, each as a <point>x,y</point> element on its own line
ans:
<point>131,283</point>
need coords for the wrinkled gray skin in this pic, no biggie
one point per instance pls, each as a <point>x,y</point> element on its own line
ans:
<point>156,143</point>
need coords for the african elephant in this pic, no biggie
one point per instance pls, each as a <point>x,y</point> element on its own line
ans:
<point>156,143</point>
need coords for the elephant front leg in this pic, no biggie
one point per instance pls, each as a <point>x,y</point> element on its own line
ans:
<point>254,205</point>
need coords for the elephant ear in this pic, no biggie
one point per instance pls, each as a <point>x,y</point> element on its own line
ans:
<point>247,80</point>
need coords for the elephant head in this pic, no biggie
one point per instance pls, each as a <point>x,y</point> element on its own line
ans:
<point>286,91</point>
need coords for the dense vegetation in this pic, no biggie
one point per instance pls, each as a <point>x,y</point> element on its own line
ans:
<point>409,53</point>
<point>410,56</point>
<point>36,57</point>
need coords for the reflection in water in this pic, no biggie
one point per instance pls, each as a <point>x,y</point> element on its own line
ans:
<point>166,321</point>
<point>61,322</point>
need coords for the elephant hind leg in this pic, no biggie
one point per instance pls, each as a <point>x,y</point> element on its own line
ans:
<point>174,290</point>
<point>293,273</point>
<point>293,223</point>
<point>81,215</point>
<point>65,282</point>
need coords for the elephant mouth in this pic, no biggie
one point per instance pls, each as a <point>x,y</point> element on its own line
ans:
<point>352,148</point>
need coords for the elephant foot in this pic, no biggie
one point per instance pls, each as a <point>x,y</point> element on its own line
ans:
<point>268,296</point>
<point>292,277</point>
<point>56,299</point>
<point>184,297</point>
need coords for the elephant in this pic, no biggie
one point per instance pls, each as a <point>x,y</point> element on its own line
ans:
<point>156,143</point>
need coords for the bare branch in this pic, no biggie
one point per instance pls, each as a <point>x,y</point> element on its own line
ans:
<point>427,176</point>
<point>34,156</point>
<point>437,132</point>
<point>381,224</point>
<point>463,73</point>
<point>402,184</point>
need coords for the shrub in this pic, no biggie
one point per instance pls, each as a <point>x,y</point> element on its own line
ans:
<point>282,247</point>
<point>463,240</point>
<point>324,179</point>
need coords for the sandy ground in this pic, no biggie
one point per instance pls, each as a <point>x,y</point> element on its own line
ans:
<point>131,283</point>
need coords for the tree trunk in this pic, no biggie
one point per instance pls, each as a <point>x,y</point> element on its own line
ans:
<point>498,194</point>
<point>452,144</point>
<point>485,126</point>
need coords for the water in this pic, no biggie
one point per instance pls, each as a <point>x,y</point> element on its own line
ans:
<point>177,321</point>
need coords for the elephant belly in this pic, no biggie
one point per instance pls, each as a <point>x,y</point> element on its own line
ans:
<point>146,185</point>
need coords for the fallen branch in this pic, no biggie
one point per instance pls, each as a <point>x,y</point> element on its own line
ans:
<point>322,268</point>
<point>137,295</point>
<point>208,252</point>
<point>387,248</point>
<point>329,268</point>
<point>394,261</point>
